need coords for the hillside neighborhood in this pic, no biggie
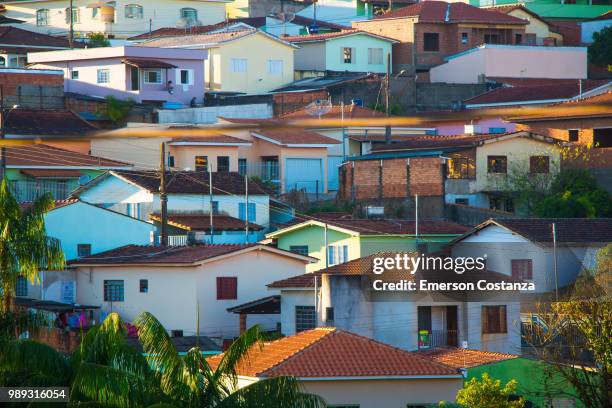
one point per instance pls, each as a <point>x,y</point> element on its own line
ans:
<point>306,203</point>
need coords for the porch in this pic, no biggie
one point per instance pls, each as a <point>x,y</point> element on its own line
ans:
<point>437,326</point>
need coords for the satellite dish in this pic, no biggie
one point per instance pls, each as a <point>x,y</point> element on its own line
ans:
<point>319,107</point>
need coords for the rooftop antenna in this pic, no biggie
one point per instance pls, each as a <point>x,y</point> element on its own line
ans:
<point>319,107</point>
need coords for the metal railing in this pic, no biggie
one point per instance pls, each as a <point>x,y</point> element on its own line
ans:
<point>31,190</point>
<point>438,338</point>
<point>266,171</point>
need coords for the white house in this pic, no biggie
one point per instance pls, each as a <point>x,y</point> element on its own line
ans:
<point>523,248</point>
<point>180,285</point>
<point>116,19</point>
<point>348,370</point>
<point>82,229</point>
<point>136,193</point>
<point>345,296</point>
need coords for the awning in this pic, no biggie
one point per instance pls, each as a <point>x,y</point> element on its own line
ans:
<point>267,305</point>
<point>51,306</point>
<point>147,63</point>
<point>51,173</point>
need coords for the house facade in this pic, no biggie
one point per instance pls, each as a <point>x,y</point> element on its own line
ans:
<point>180,285</point>
<point>349,296</point>
<point>372,374</point>
<point>538,31</point>
<point>15,43</point>
<point>429,31</point>
<point>348,50</point>
<point>247,61</point>
<point>152,75</point>
<point>337,241</point>
<point>116,19</point>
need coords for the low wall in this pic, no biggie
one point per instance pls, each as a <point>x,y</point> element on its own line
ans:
<point>210,114</point>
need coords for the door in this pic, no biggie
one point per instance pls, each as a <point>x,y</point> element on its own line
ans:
<point>135,79</point>
<point>452,326</point>
<point>333,164</point>
<point>304,174</point>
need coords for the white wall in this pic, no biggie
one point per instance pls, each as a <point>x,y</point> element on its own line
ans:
<point>211,114</point>
<point>289,300</point>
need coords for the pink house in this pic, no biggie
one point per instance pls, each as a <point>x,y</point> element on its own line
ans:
<point>172,77</point>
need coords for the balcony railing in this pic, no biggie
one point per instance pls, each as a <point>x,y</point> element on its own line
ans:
<point>31,190</point>
<point>266,171</point>
<point>437,338</point>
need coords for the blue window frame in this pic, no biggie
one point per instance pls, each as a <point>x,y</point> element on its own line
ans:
<point>252,212</point>
<point>337,254</point>
<point>497,130</point>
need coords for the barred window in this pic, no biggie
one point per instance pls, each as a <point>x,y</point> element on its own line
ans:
<point>299,249</point>
<point>113,291</point>
<point>305,318</point>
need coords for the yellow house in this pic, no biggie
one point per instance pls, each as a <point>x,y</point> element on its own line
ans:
<point>537,32</point>
<point>245,61</point>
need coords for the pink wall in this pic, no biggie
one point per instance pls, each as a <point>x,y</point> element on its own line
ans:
<point>458,128</point>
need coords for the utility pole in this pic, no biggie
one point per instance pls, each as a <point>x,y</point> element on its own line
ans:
<point>554,237</point>
<point>387,87</point>
<point>210,195</point>
<point>71,17</point>
<point>343,132</point>
<point>163,197</point>
<point>246,207</point>
<point>2,133</point>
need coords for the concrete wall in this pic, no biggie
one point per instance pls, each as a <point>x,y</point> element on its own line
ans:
<point>360,45</point>
<point>211,114</point>
<point>310,57</point>
<point>289,300</point>
<point>29,88</point>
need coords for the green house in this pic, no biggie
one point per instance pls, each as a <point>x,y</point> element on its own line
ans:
<point>349,239</point>
<point>556,9</point>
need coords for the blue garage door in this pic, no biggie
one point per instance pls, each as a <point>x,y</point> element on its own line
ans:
<point>333,163</point>
<point>303,174</point>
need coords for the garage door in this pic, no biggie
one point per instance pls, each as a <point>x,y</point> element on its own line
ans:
<point>333,163</point>
<point>304,174</point>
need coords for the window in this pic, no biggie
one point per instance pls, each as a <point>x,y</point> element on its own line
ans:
<point>103,76</point>
<point>329,314</point>
<point>42,17</point>
<point>572,135</point>
<point>518,39</point>
<point>497,164</point>
<point>227,288</point>
<point>539,164</point>
<point>113,291</point>
<point>185,77</point>
<point>170,161</point>
<point>83,250</point>
<point>252,212</point>
<point>215,207</point>
<point>337,254</point>
<point>462,201</point>
<point>491,39</point>
<point>602,138</point>
<point>501,204</point>
<point>2,62</point>
<point>431,42</point>
<point>305,318</point>
<point>144,286</point>
<point>223,165</point>
<point>375,56</point>
<point>461,168</point>
<point>189,14</point>
<point>348,55</point>
<point>494,319</point>
<point>238,65</point>
<point>522,269</point>
<point>242,166</point>
<point>201,163</point>
<point>74,74</point>
<point>76,15</point>
<point>299,249</point>
<point>275,67</point>
<point>497,130</point>
<point>464,38</point>
<point>133,11</point>
<point>153,76</point>
<point>21,286</point>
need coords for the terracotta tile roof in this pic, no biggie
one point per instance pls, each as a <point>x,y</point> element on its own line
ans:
<point>438,142</point>
<point>508,8</point>
<point>255,22</point>
<point>464,358</point>
<point>41,155</point>
<point>514,82</point>
<point>534,93</point>
<point>201,222</point>
<point>330,352</point>
<point>325,36</point>
<point>363,267</point>
<point>51,173</point>
<point>390,226</point>
<point>307,22</point>
<point>209,139</point>
<point>436,12</point>
<point>604,16</point>
<point>210,39</point>
<point>24,205</point>
<point>568,230</point>
<point>46,122</point>
<point>350,112</point>
<point>604,98</point>
<point>10,35</point>
<point>591,107</point>
<point>295,137</point>
<point>192,182</point>
<point>145,254</point>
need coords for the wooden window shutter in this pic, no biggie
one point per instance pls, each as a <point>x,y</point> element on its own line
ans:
<point>219,288</point>
<point>484,319</point>
<point>503,328</point>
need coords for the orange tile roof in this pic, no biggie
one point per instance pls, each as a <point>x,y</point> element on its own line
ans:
<point>350,112</point>
<point>41,155</point>
<point>464,358</point>
<point>330,352</point>
<point>295,136</point>
<point>325,36</point>
<point>198,39</point>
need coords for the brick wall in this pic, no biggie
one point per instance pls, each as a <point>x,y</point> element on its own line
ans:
<point>32,90</point>
<point>60,340</point>
<point>291,101</point>
<point>426,177</point>
<point>399,29</point>
<point>394,178</point>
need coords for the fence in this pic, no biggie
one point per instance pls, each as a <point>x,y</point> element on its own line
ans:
<point>266,171</point>
<point>31,190</point>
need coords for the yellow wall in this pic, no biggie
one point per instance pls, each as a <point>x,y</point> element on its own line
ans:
<point>518,150</point>
<point>536,26</point>
<point>257,49</point>
<point>237,9</point>
<point>184,156</point>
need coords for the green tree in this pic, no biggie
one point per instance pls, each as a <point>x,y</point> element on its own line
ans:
<point>600,51</point>
<point>487,393</point>
<point>117,109</point>
<point>25,248</point>
<point>96,40</point>
<point>105,371</point>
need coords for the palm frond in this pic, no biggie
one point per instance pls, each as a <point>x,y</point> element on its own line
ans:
<point>238,352</point>
<point>278,392</point>
<point>36,359</point>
